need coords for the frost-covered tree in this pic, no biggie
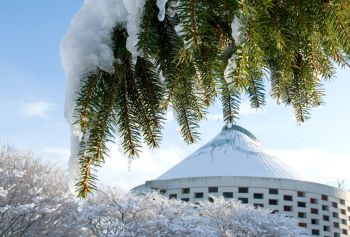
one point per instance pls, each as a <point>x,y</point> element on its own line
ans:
<point>34,198</point>
<point>35,201</point>
<point>230,218</point>
<point>115,213</point>
<point>129,61</point>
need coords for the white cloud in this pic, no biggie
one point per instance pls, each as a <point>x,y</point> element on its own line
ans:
<point>318,166</point>
<point>246,110</point>
<point>215,117</point>
<point>150,165</point>
<point>170,116</point>
<point>39,109</point>
<point>58,155</point>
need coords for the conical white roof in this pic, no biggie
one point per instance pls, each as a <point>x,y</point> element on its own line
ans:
<point>233,152</point>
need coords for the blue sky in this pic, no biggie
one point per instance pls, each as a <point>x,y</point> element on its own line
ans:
<point>32,100</point>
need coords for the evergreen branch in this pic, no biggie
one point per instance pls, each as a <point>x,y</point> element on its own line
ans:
<point>151,89</point>
<point>101,131</point>
<point>298,43</point>
<point>85,186</point>
<point>192,4</point>
<point>255,90</point>
<point>145,111</point>
<point>84,99</point>
<point>230,99</point>
<point>185,103</point>
<point>127,121</point>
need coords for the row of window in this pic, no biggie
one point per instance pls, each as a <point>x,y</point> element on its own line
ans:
<point>324,217</point>
<point>271,201</point>
<point>272,191</point>
<point>317,232</point>
<point>325,228</point>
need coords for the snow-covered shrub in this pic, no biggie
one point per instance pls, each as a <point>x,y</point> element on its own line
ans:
<point>231,218</point>
<point>115,213</point>
<point>34,198</point>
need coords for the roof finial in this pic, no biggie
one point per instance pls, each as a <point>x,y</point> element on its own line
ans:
<point>230,126</point>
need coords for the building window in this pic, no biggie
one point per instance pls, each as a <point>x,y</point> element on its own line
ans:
<point>302,224</point>
<point>273,191</point>
<point>315,221</point>
<point>314,211</point>
<point>342,211</point>
<point>342,201</point>
<point>301,204</point>
<point>172,196</point>
<point>257,205</point>
<point>198,195</point>
<point>313,200</point>
<point>315,232</point>
<point>334,204</point>
<point>213,189</point>
<point>227,194</point>
<point>243,190</point>
<point>301,194</point>
<point>345,232</point>
<point>344,222</point>
<point>288,197</point>
<point>326,228</point>
<point>162,191</point>
<point>288,208</point>
<point>325,208</point>
<point>324,198</point>
<point>348,209</point>
<point>185,190</point>
<point>258,195</point>
<point>301,214</point>
<point>336,235</point>
<point>336,225</point>
<point>335,214</point>
<point>185,199</point>
<point>325,218</point>
<point>273,202</point>
<point>243,200</point>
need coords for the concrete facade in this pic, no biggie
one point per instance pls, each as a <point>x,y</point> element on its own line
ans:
<point>322,210</point>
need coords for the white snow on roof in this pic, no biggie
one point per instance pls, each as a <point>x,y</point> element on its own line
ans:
<point>233,152</point>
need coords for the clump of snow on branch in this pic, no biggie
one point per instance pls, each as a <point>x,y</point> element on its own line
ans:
<point>237,36</point>
<point>134,9</point>
<point>230,68</point>
<point>87,44</point>
<point>235,28</point>
<point>161,5</point>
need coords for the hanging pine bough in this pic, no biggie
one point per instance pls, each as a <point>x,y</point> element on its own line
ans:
<point>193,51</point>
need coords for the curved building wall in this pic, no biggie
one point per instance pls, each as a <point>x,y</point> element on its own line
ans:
<point>323,210</point>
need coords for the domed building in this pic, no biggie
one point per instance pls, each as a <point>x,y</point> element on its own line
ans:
<point>234,165</point>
